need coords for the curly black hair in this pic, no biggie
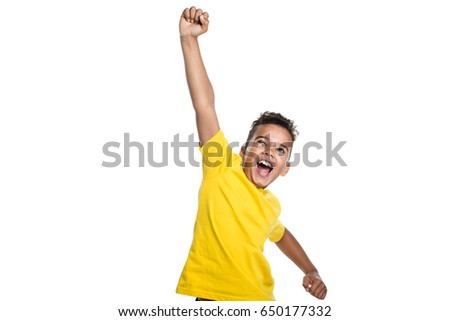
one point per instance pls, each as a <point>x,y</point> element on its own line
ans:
<point>275,119</point>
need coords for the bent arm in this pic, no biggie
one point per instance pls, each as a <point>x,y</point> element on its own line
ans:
<point>312,281</point>
<point>294,251</point>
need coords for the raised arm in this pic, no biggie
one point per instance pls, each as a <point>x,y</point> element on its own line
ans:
<point>193,23</point>
<point>293,250</point>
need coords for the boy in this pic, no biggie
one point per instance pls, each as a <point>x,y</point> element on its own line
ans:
<point>236,214</point>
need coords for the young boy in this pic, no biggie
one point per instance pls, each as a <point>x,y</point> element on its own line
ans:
<point>236,214</point>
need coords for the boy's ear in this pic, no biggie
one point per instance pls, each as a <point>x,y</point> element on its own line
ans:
<point>242,152</point>
<point>286,169</point>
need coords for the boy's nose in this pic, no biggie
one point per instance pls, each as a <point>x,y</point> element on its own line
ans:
<point>268,152</point>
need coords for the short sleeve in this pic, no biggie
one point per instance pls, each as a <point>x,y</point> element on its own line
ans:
<point>217,155</point>
<point>277,232</point>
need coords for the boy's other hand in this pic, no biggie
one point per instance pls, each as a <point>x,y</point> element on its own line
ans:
<point>193,22</point>
<point>314,285</point>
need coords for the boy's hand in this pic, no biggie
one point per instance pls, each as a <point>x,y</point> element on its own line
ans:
<point>314,285</point>
<point>193,22</point>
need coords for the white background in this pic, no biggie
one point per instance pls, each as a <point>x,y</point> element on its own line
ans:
<point>78,240</point>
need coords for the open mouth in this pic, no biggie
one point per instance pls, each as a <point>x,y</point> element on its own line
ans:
<point>264,168</point>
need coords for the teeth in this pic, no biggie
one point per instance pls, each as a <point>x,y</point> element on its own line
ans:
<point>266,163</point>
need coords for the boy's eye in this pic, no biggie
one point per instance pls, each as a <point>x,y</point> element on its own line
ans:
<point>261,142</point>
<point>281,151</point>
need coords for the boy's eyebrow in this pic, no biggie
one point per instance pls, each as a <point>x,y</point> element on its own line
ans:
<point>284,146</point>
<point>265,137</point>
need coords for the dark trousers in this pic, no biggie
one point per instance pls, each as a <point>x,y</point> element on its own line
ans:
<point>200,299</point>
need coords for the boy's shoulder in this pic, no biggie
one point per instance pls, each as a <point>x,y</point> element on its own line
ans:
<point>218,153</point>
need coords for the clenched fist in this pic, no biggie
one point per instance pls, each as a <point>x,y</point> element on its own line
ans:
<point>314,285</point>
<point>193,22</point>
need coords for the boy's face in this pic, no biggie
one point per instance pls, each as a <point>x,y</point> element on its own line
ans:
<point>267,154</point>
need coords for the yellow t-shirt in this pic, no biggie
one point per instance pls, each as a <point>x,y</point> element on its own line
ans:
<point>234,219</point>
